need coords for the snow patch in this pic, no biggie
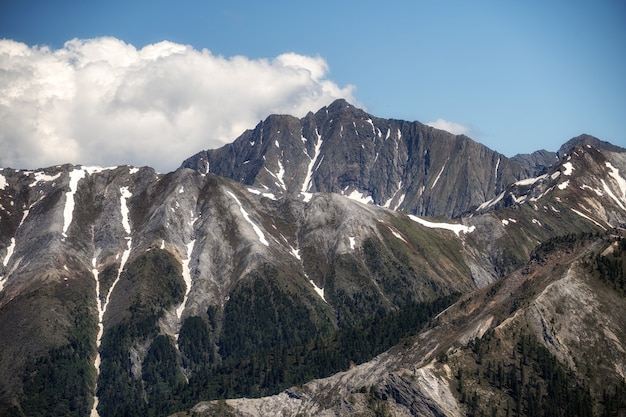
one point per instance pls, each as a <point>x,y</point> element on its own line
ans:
<point>598,192</point>
<point>583,215</point>
<point>537,222</point>
<point>388,202</point>
<point>186,278</point>
<point>568,168</point>
<point>563,185</point>
<point>306,185</point>
<point>10,250</point>
<point>360,197</point>
<point>75,176</point>
<point>505,222</point>
<point>496,170</point>
<point>371,123</point>
<point>440,172</point>
<point>352,242</point>
<point>400,201</point>
<point>531,181</point>
<point>96,169</point>
<point>280,175</point>
<point>318,290</point>
<point>456,228</point>
<point>246,216</point>
<point>621,182</point>
<point>102,307</point>
<point>43,177</point>
<point>125,194</point>
<point>491,202</point>
<point>271,196</point>
<point>24,216</point>
<point>3,182</point>
<point>396,234</point>
<point>610,193</point>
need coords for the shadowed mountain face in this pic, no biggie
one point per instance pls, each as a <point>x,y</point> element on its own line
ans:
<point>401,165</point>
<point>127,292</point>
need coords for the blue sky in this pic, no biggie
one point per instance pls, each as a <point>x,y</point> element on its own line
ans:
<point>515,76</point>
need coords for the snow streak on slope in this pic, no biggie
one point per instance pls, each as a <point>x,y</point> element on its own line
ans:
<point>10,250</point>
<point>360,197</point>
<point>621,182</point>
<point>610,193</point>
<point>491,202</point>
<point>5,262</point>
<point>125,195</point>
<point>318,290</point>
<point>584,216</point>
<point>94,270</point>
<point>306,185</point>
<point>246,216</point>
<point>438,176</point>
<point>531,181</point>
<point>75,176</point>
<point>102,307</point>
<point>41,176</point>
<point>186,278</point>
<point>456,228</point>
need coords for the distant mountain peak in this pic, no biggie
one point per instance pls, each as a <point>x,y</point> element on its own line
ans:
<point>585,139</point>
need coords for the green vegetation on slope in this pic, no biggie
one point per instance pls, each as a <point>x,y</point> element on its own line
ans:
<point>157,284</point>
<point>61,382</point>
<point>270,371</point>
<point>526,381</point>
<point>612,267</point>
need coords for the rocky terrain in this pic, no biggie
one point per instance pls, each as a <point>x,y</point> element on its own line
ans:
<point>298,265</point>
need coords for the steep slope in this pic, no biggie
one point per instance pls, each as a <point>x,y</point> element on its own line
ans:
<point>583,192</point>
<point>393,163</point>
<point>129,283</point>
<point>548,340</point>
<point>127,292</point>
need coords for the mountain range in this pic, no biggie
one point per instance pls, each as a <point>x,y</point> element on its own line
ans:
<point>338,264</point>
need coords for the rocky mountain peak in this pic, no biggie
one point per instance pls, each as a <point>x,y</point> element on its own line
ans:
<point>584,140</point>
<point>341,149</point>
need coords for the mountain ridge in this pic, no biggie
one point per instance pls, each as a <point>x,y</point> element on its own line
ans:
<point>345,150</point>
<point>143,293</point>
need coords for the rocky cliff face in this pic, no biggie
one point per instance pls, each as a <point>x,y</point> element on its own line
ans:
<point>396,164</point>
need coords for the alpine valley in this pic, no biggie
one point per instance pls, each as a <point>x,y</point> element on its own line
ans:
<point>334,265</point>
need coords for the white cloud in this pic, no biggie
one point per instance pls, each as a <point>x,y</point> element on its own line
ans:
<point>104,102</point>
<point>452,127</point>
